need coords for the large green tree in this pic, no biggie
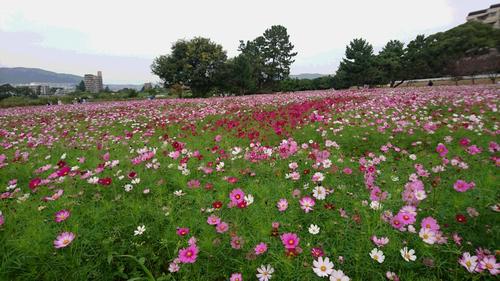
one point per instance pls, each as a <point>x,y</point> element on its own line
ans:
<point>390,62</point>
<point>194,63</point>
<point>358,66</point>
<point>271,55</point>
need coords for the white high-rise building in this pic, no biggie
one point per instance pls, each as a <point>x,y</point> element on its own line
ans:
<point>93,83</point>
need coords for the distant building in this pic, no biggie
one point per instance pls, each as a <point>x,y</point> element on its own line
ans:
<point>489,16</point>
<point>93,83</point>
<point>38,89</point>
<point>147,86</point>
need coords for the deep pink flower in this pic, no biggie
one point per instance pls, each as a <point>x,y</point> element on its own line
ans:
<point>62,215</point>
<point>462,186</point>
<point>189,254</point>
<point>237,196</point>
<point>34,183</point>
<point>317,252</point>
<point>290,240</point>
<point>442,150</point>
<point>260,249</point>
<point>182,231</point>
<point>63,239</point>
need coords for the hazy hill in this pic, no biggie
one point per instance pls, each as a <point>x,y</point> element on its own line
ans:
<point>22,75</point>
<point>307,76</point>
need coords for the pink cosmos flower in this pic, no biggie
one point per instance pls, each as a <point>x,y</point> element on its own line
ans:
<point>236,242</point>
<point>173,267</point>
<point>63,240</point>
<point>407,218</point>
<point>282,205</point>
<point>307,204</point>
<point>490,263</point>
<point>213,220</point>
<point>182,231</point>
<point>237,196</point>
<point>222,227</point>
<point>260,249</point>
<point>462,186</point>
<point>62,215</point>
<point>430,223</point>
<point>347,171</point>
<point>473,150</point>
<point>2,219</point>
<point>442,150</point>
<point>236,277</point>
<point>189,254</point>
<point>193,184</point>
<point>290,240</point>
<point>397,222</point>
<point>380,242</point>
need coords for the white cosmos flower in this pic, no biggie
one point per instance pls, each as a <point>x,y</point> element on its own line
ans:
<point>319,193</point>
<point>420,195</point>
<point>179,193</point>
<point>408,255</point>
<point>140,230</point>
<point>128,187</point>
<point>314,229</point>
<point>338,275</point>
<point>427,235</point>
<point>249,199</point>
<point>136,181</point>
<point>93,180</point>
<point>323,267</point>
<point>377,255</point>
<point>265,272</point>
<point>375,205</point>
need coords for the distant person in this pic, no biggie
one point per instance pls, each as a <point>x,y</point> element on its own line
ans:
<point>430,83</point>
<point>59,102</point>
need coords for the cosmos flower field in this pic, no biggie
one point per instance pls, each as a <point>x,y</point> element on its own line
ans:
<point>374,184</point>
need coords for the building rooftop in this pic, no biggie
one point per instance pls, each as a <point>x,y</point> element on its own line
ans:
<point>484,10</point>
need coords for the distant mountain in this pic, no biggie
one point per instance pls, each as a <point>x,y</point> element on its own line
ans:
<point>22,75</point>
<point>307,76</point>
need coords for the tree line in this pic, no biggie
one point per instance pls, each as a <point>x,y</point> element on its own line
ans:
<point>263,64</point>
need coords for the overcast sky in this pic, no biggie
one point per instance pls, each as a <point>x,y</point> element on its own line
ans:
<point>122,37</point>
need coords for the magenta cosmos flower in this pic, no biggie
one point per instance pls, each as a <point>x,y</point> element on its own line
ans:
<point>236,277</point>
<point>237,196</point>
<point>63,240</point>
<point>307,204</point>
<point>182,231</point>
<point>62,215</point>
<point>463,186</point>
<point>442,150</point>
<point>260,249</point>
<point>189,254</point>
<point>290,240</point>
